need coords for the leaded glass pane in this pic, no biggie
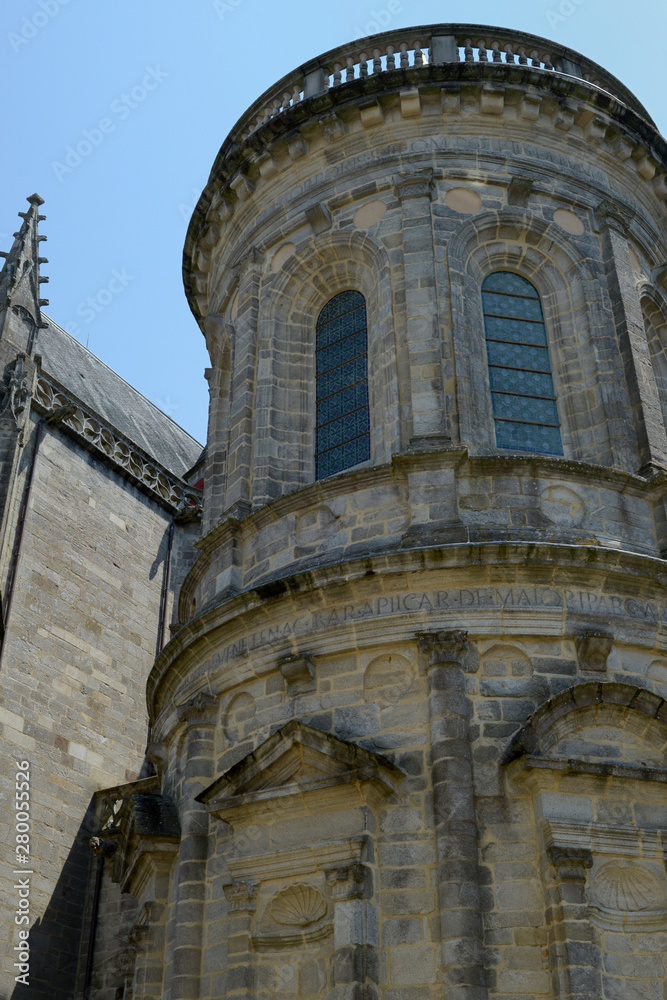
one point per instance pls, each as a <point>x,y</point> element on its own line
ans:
<point>340,352</point>
<point>339,431</point>
<point>511,305</point>
<point>342,402</point>
<point>525,383</point>
<point>530,408</point>
<point>344,457</point>
<point>340,378</point>
<point>524,407</point>
<point>518,356</point>
<point>517,330</point>
<point>342,427</point>
<point>528,437</point>
<point>341,326</point>
<point>512,284</point>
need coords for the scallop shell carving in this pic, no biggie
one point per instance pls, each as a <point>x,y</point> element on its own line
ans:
<point>627,887</point>
<point>298,905</point>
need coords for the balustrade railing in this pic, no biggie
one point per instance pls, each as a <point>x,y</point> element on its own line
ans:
<point>412,48</point>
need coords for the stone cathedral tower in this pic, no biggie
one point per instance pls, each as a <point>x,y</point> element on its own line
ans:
<point>410,732</point>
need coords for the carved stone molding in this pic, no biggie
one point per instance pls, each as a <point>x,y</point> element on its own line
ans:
<point>519,191</point>
<point>418,184</point>
<point>198,710</point>
<point>593,649</point>
<point>17,398</point>
<point>299,673</point>
<point>52,400</point>
<point>610,216</point>
<point>242,895</point>
<point>571,863</point>
<point>350,881</point>
<point>445,647</point>
<point>319,218</point>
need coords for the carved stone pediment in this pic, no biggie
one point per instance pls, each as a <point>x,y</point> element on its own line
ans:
<point>298,760</point>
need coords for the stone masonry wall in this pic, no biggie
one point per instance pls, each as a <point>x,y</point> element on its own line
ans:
<point>82,637</point>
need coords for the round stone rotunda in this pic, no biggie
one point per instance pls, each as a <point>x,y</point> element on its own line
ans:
<point>410,731</point>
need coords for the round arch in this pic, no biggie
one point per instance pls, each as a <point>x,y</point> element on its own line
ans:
<point>575,316</point>
<point>291,301</point>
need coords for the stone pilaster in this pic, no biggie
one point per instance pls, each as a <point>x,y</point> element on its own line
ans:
<point>219,338</point>
<point>415,191</point>
<point>149,939</point>
<point>241,895</point>
<point>356,932</point>
<point>575,959</point>
<point>243,384</point>
<point>190,868</point>
<point>626,303</point>
<point>448,659</point>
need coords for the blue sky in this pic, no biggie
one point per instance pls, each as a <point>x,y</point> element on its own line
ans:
<point>156,86</point>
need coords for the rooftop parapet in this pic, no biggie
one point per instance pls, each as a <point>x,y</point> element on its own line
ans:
<point>418,48</point>
<point>426,57</point>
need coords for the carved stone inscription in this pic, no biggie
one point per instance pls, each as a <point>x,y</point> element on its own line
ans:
<point>510,599</point>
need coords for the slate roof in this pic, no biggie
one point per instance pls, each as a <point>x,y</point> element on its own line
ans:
<point>109,397</point>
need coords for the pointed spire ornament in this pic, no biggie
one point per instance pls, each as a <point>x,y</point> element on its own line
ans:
<point>20,280</point>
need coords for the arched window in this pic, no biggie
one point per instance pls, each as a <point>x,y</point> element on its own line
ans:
<point>524,405</point>
<point>342,427</point>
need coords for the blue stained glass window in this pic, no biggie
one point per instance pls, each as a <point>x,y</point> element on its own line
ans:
<point>342,437</point>
<point>522,392</point>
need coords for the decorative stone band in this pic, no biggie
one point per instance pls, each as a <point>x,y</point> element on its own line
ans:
<point>161,485</point>
<point>412,48</point>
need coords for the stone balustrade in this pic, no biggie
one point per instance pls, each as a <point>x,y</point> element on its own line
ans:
<point>419,48</point>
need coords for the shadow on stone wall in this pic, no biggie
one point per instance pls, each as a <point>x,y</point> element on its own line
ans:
<point>55,937</point>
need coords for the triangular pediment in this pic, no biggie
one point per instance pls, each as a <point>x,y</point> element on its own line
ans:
<point>296,759</point>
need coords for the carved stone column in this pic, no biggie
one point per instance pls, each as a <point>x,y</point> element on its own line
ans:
<point>241,895</point>
<point>190,868</point>
<point>244,379</point>
<point>626,303</point>
<point>574,957</point>
<point>448,659</point>
<point>356,932</point>
<point>415,191</point>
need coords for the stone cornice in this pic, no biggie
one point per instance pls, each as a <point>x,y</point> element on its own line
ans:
<point>532,563</point>
<point>570,104</point>
<point>59,406</point>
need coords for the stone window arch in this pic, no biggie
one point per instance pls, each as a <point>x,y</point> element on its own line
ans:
<point>292,299</point>
<point>655,325</point>
<point>580,329</point>
<point>522,394</point>
<point>342,423</point>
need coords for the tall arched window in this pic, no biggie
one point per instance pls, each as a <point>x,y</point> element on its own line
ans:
<point>343,427</point>
<point>524,405</point>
